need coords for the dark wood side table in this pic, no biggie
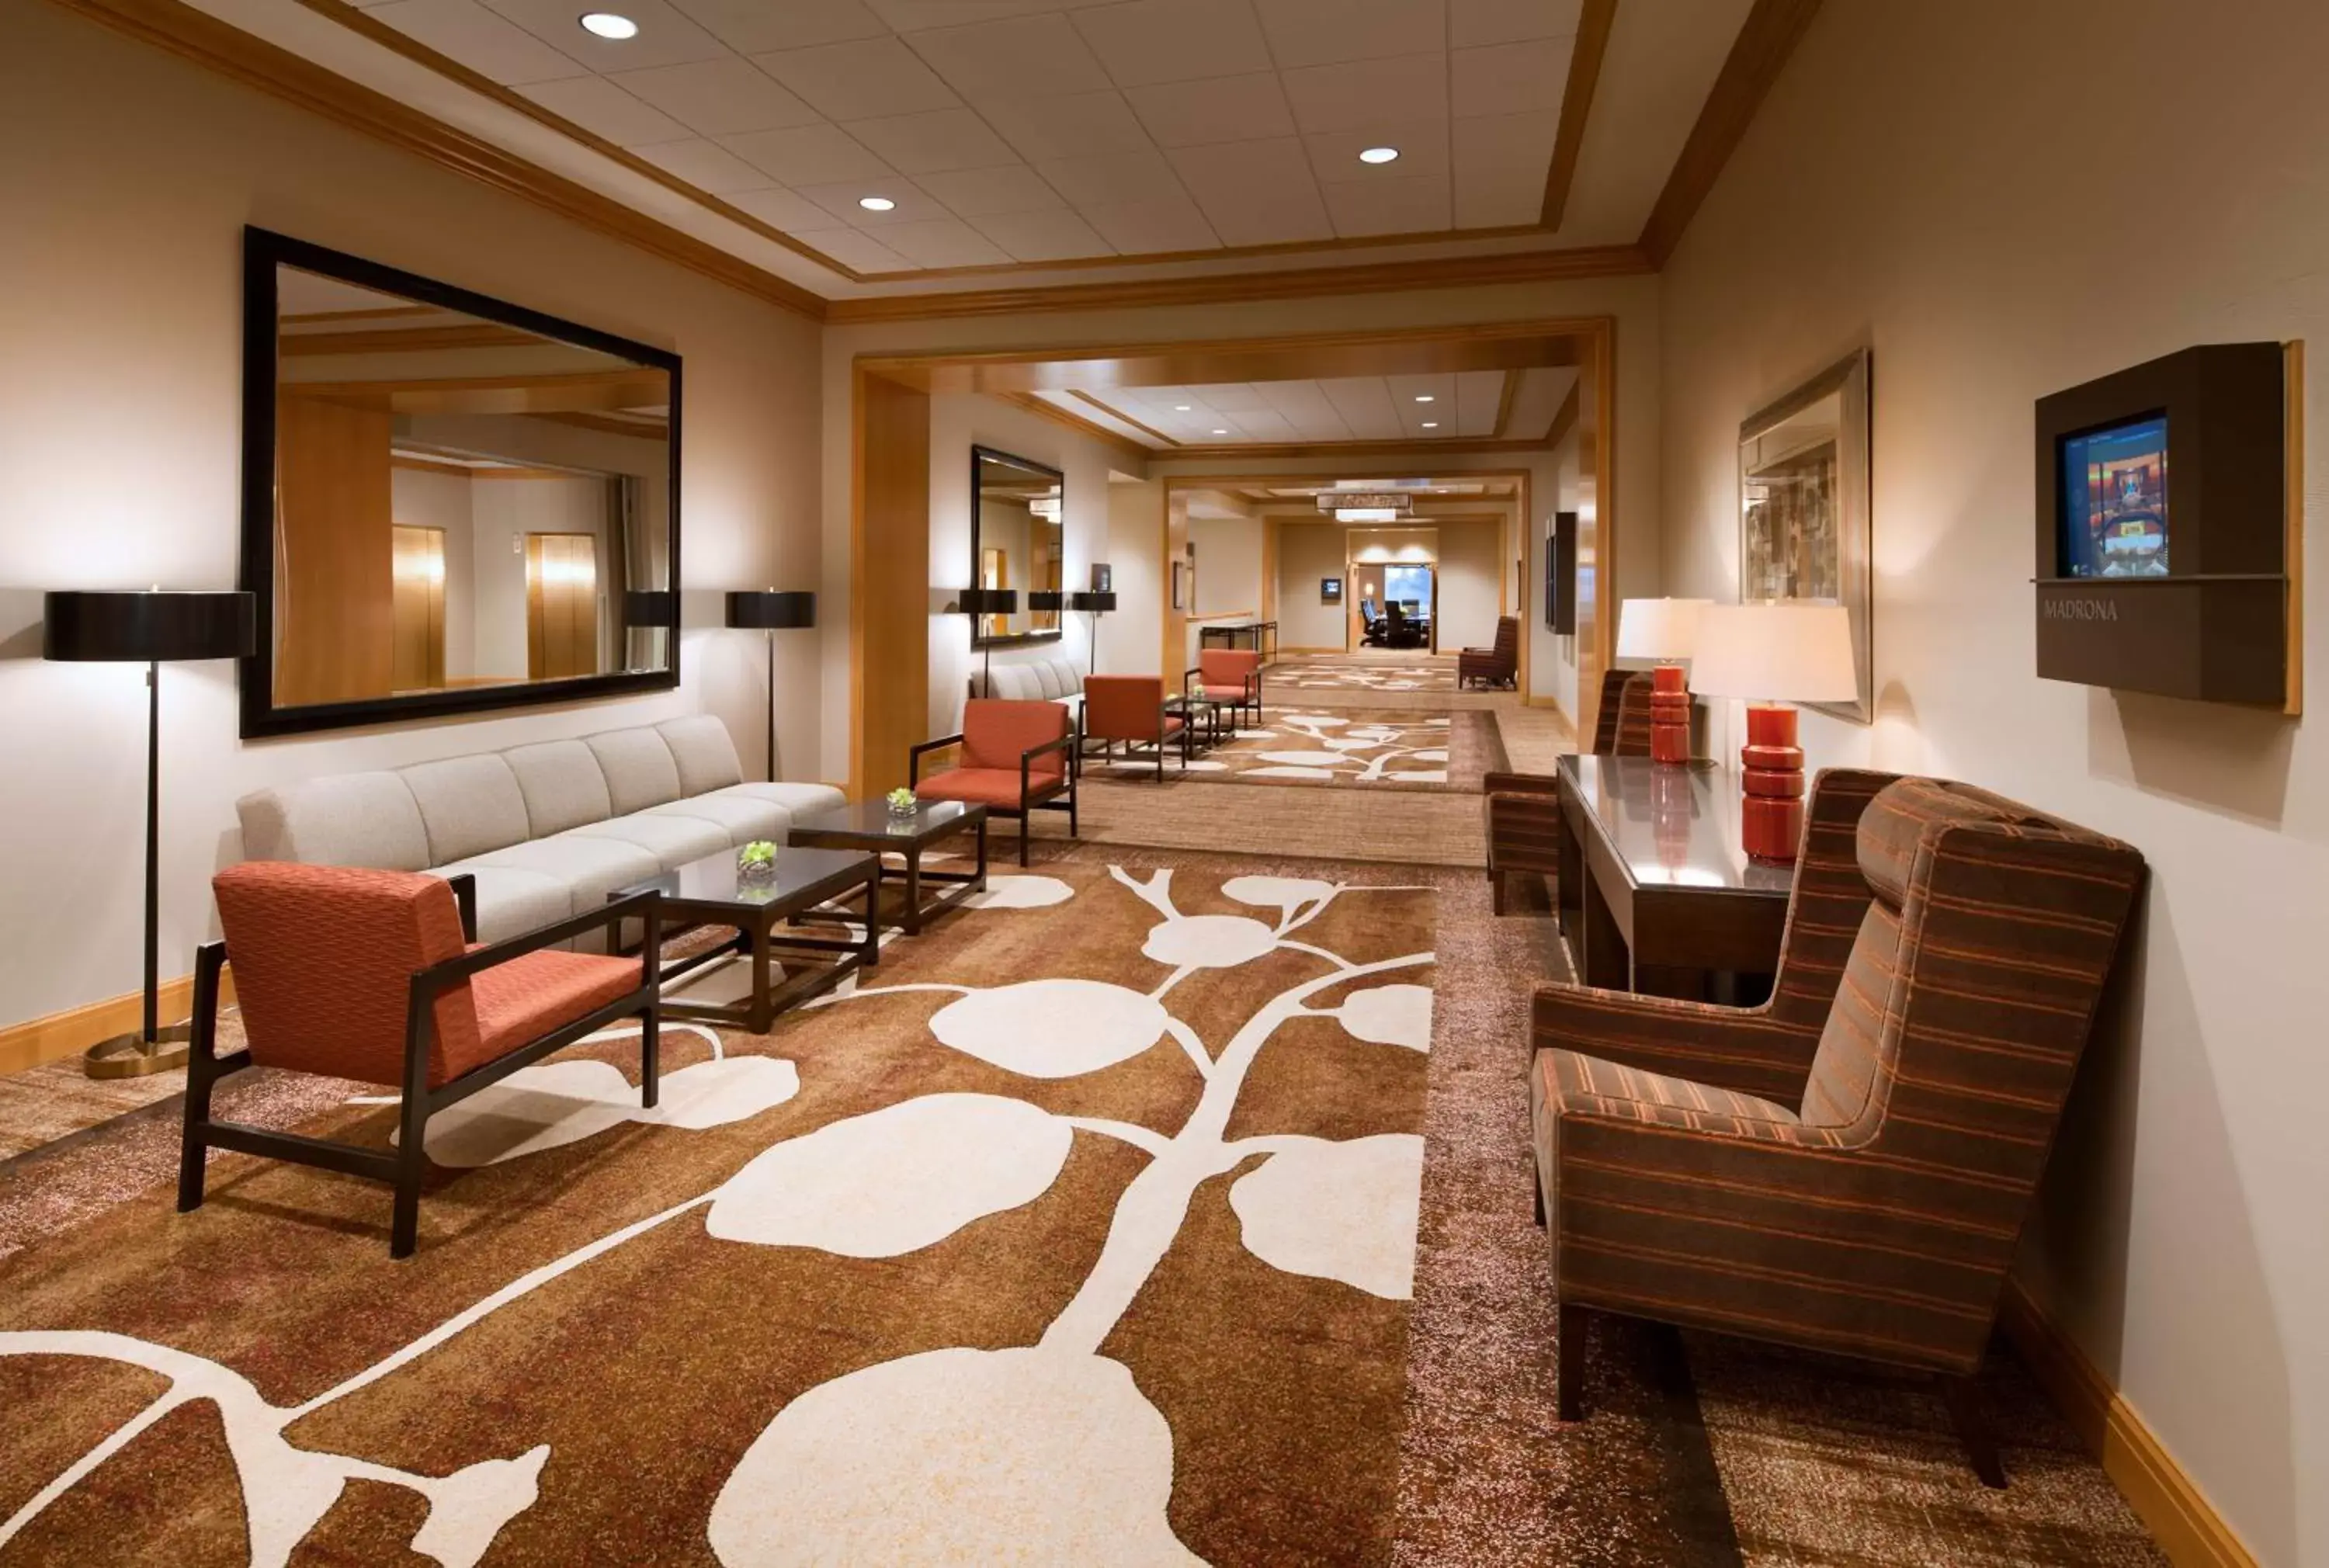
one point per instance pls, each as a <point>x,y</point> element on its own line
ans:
<point>868,826</point>
<point>708,892</point>
<point>1202,714</point>
<point>1656,893</point>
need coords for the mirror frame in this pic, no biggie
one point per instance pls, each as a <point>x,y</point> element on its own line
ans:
<point>263,251</point>
<point>1014,639</point>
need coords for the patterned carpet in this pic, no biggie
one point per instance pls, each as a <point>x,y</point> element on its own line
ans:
<point>1365,674</point>
<point>1370,749</point>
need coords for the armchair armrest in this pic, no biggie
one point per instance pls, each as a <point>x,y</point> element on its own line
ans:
<point>1066,743</point>
<point>1520,784</point>
<point>465,897</point>
<point>1744,1049</point>
<point>1187,676</point>
<point>914,755</point>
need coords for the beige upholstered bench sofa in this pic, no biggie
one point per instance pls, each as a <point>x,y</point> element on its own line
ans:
<point>1052,677</point>
<point>548,830</point>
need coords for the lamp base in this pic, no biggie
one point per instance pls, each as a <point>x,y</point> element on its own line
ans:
<point>133,1056</point>
<point>1669,715</point>
<point>1771,817</point>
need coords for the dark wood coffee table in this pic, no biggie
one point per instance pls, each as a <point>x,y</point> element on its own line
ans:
<point>867,825</point>
<point>708,892</point>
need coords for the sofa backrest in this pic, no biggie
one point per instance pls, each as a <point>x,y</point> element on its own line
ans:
<point>1050,678</point>
<point>433,813</point>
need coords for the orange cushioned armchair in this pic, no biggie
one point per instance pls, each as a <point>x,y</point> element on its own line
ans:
<point>1848,1167</point>
<point>1017,759</point>
<point>1231,676</point>
<point>1129,710</point>
<point>376,976</point>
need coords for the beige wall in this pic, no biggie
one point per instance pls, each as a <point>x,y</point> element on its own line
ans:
<point>132,175</point>
<point>1306,552</point>
<point>2005,200</point>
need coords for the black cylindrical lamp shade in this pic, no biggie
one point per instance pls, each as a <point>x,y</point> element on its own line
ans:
<point>1046,599</point>
<point>771,611</point>
<point>148,627</point>
<point>990,601</point>
<point>650,607</point>
<point>1095,602</point>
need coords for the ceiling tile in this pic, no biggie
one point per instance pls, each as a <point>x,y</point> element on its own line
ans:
<point>1476,22</point>
<point>1440,412</point>
<point>807,155</point>
<point>750,26</point>
<point>917,15</point>
<point>946,138</point>
<point>1509,78</point>
<point>992,193</point>
<point>1364,403</point>
<point>490,45</point>
<point>1500,168</point>
<point>1339,98</point>
<point>1229,397</point>
<point>1263,425</point>
<point>943,242</point>
<point>1422,152</point>
<point>1410,206</point>
<point>1074,127</point>
<point>1222,108</point>
<point>1113,178</point>
<point>706,165</point>
<point>1478,395</point>
<point>715,98</point>
<point>913,205</point>
<point>604,109</point>
<point>1143,228</point>
<point>1053,236</point>
<point>1147,42</point>
<point>665,37</point>
<point>1323,32</point>
<point>1026,57</point>
<point>855,249</point>
<point>786,210</point>
<point>859,81</point>
<point>1255,193</point>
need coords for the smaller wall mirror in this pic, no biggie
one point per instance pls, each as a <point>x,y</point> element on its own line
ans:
<point>1017,542</point>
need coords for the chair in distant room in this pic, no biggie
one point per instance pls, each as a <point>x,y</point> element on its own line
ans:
<point>1017,757</point>
<point>1128,710</point>
<point>1374,629</point>
<point>1523,809</point>
<point>1847,1168</point>
<point>1498,665</point>
<point>1229,676</point>
<point>372,976</point>
<point>1398,632</point>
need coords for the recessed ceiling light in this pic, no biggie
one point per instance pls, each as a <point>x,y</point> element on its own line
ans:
<point>1431,423</point>
<point>1221,432</point>
<point>1179,407</point>
<point>1423,398</point>
<point>876,203</point>
<point>1378,154</point>
<point>608,24</point>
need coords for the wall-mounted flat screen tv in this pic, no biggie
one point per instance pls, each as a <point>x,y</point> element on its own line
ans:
<point>2115,500</point>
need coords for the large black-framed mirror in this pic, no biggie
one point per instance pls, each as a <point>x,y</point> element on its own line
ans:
<point>450,504</point>
<point>1017,542</point>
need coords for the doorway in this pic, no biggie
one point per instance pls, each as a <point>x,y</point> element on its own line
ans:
<point>1376,588</point>
<point>561,605</point>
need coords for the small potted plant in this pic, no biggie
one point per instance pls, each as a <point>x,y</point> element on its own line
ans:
<point>756,862</point>
<point>902,804</point>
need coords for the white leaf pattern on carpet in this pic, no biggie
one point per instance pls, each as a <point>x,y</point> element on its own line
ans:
<point>556,1103</point>
<point>1390,1015</point>
<point>1020,893</point>
<point>1052,1029</point>
<point>1207,940</point>
<point>1343,1211</point>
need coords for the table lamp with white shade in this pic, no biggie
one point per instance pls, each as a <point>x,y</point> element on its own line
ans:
<point>1772,654</point>
<point>1664,632</point>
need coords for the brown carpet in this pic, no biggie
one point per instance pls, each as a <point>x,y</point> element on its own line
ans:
<point>1366,674</point>
<point>1357,748</point>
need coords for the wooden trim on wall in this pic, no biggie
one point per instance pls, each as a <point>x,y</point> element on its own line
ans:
<point>1593,24</point>
<point>60,1035</point>
<point>1132,452</point>
<point>253,62</point>
<point>890,610</point>
<point>1766,39</point>
<point>2293,557</point>
<point>1564,419</point>
<point>2168,1501</point>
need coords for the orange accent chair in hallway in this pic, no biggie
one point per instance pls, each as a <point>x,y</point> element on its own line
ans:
<point>376,976</point>
<point>1018,758</point>
<point>1497,666</point>
<point>1130,709</point>
<point>1231,676</point>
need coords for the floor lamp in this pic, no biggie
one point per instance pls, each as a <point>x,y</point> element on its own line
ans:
<point>978,603</point>
<point>1095,604</point>
<point>769,612</point>
<point>147,628</point>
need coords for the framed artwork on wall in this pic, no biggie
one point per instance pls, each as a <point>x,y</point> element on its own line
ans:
<point>1180,586</point>
<point>1330,590</point>
<point>1805,525</point>
<point>1560,575</point>
<point>1103,577</point>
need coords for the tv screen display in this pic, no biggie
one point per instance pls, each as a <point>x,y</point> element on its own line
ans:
<point>2115,500</point>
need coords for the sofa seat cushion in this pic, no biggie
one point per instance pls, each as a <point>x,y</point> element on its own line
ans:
<point>673,840</point>
<point>740,817</point>
<point>526,998</point>
<point>590,867</point>
<point>511,903</point>
<point>1573,1084</point>
<point>994,787</point>
<point>796,799</point>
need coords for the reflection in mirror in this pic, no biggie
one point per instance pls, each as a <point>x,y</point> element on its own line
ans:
<point>1016,541</point>
<point>459,502</point>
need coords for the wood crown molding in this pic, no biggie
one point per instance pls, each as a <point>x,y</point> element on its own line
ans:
<point>1759,53</point>
<point>1585,56</point>
<point>1131,451</point>
<point>2170,1504</point>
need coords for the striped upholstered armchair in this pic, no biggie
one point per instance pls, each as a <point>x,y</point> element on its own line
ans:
<point>1859,1191</point>
<point>1523,808</point>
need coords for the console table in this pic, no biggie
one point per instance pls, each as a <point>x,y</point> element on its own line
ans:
<point>1261,636</point>
<point>1656,893</point>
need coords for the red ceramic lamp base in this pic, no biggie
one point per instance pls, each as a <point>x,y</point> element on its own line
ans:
<point>1669,715</point>
<point>1772,815</point>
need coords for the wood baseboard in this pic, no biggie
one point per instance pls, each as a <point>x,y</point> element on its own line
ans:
<point>2167,1500</point>
<point>38,1041</point>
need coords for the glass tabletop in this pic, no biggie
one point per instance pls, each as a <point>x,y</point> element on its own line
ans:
<point>1673,825</point>
<point>714,881</point>
<point>870,818</point>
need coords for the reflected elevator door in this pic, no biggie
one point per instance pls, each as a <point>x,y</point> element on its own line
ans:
<point>561,605</point>
<point>417,590</point>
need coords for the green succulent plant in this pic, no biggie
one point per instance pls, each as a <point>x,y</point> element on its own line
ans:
<point>759,852</point>
<point>901,799</point>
